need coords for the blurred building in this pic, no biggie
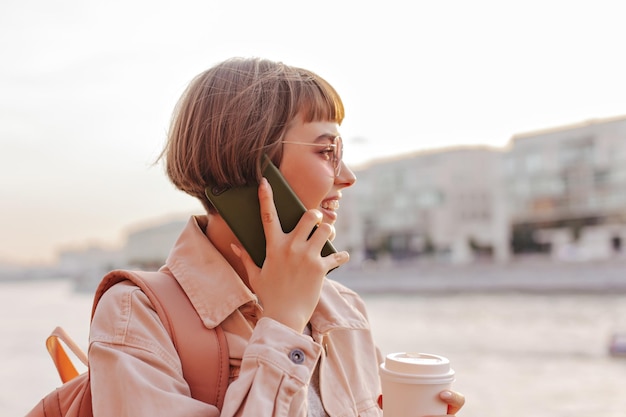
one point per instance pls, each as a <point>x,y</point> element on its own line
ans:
<point>78,260</point>
<point>148,247</point>
<point>566,189</point>
<point>86,266</point>
<point>560,191</point>
<point>442,203</point>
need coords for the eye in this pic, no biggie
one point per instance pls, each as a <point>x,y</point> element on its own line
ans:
<point>327,151</point>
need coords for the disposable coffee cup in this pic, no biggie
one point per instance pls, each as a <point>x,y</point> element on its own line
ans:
<point>412,382</point>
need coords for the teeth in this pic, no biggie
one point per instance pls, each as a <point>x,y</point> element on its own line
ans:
<point>330,205</point>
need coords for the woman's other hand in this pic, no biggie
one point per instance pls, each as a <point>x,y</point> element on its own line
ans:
<point>455,401</point>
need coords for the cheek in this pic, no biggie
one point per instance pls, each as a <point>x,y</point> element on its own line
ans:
<point>309,184</point>
<point>311,193</point>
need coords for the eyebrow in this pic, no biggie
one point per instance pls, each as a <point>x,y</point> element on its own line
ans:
<point>326,136</point>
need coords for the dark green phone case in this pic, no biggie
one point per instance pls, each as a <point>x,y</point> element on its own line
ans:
<point>240,209</point>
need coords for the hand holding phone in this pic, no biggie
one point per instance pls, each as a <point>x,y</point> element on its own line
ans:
<point>289,285</point>
<point>240,209</point>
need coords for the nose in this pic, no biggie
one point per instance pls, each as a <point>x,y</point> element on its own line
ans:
<point>346,177</point>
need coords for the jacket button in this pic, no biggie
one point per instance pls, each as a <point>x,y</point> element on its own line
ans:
<point>296,356</point>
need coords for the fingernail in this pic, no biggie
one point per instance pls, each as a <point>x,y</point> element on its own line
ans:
<point>264,182</point>
<point>235,250</point>
<point>446,395</point>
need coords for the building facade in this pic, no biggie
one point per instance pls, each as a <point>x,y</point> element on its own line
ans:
<point>566,189</point>
<point>560,191</point>
<point>440,202</point>
<point>148,247</point>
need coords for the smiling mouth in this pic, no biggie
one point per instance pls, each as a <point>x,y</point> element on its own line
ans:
<point>331,205</point>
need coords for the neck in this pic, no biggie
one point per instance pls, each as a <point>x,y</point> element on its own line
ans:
<point>222,237</point>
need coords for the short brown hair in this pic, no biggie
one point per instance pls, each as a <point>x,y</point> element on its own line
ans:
<point>234,112</point>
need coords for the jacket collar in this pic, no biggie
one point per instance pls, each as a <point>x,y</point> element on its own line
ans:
<point>338,309</point>
<point>216,291</point>
<point>212,285</point>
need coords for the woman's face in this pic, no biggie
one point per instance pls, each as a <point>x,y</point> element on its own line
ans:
<point>309,169</point>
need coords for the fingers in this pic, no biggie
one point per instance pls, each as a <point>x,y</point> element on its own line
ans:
<point>336,259</point>
<point>247,261</point>
<point>455,401</point>
<point>269,216</point>
<point>310,230</point>
<point>311,227</point>
<point>325,232</point>
<point>271,223</point>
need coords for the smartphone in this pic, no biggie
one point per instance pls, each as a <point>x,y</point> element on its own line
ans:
<point>240,209</point>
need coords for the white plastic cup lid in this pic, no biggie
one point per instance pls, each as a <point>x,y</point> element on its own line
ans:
<point>417,363</point>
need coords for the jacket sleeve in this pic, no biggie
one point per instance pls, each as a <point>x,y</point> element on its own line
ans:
<point>275,372</point>
<point>135,370</point>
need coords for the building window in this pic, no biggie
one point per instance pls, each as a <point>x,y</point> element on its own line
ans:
<point>576,151</point>
<point>534,162</point>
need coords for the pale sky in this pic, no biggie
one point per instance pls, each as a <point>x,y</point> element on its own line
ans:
<point>87,89</point>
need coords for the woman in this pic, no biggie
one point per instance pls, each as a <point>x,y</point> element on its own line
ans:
<point>300,344</point>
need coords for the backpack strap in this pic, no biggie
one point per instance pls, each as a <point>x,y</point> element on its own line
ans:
<point>65,367</point>
<point>203,352</point>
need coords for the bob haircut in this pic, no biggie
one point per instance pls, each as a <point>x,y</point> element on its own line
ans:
<point>233,113</point>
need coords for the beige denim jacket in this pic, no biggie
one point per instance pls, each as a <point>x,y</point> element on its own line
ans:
<point>135,370</point>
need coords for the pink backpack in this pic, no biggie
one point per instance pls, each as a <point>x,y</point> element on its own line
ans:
<point>203,352</point>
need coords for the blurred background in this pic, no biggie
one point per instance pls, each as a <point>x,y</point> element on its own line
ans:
<point>489,139</point>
